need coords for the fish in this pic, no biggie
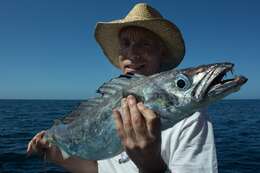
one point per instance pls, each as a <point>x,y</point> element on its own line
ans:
<point>89,131</point>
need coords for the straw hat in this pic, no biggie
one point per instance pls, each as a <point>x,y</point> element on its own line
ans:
<point>142,15</point>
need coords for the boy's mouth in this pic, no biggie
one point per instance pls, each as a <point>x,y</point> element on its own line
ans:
<point>132,68</point>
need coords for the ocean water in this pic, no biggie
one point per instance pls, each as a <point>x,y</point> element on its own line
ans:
<point>236,126</point>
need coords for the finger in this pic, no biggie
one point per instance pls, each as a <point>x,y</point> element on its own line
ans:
<point>37,143</point>
<point>137,119</point>
<point>32,148</point>
<point>41,144</point>
<point>119,124</point>
<point>40,134</point>
<point>37,137</point>
<point>29,148</point>
<point>151,119</point>
<point>127,119</point>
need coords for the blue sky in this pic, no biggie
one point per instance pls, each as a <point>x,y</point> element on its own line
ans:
<point>48,51</point>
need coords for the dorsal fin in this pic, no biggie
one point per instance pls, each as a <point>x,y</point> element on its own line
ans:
<point>108,89</point>
<point>83,107</point>
<point>118,84</point>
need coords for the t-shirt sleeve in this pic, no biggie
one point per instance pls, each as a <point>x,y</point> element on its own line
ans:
<point>189,145</point>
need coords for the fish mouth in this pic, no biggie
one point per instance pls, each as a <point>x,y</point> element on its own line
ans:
<point>218,85</point>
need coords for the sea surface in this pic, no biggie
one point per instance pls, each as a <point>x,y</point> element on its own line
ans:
<point>236,126</point>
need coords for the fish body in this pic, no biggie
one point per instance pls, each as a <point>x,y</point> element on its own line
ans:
<point>89,132</point>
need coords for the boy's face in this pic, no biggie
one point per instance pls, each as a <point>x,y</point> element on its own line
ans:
<point>140,51</point>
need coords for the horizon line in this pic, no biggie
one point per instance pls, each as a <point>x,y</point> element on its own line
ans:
<point>54,99</point>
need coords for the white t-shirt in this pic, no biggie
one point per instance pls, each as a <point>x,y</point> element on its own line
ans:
<point>187,147</point>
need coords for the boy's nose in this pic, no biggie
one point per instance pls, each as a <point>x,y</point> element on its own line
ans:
<point>134,57</point>
<point>134,51</point>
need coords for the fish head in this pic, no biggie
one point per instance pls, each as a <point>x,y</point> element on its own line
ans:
<point>193,88</point>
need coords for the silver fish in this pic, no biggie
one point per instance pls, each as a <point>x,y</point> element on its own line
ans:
<point>89,131</point>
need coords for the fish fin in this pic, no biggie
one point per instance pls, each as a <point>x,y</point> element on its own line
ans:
<point>117,84</point>
<point>57,122</point>
<point>108,89</point>
<point>85,106</point>
<point>64,154</point>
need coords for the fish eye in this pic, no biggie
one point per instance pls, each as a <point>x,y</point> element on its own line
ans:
<point>182,82</point>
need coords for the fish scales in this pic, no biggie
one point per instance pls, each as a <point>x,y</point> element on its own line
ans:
<point>89,131</point>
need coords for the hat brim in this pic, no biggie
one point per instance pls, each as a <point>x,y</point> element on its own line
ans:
<point>106,34</point>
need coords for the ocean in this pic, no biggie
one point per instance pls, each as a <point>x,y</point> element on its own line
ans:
<point>236,128</point>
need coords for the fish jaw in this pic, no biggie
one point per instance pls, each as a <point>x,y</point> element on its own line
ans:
<point>203,85</point>
<point>213,86</point>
